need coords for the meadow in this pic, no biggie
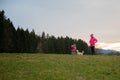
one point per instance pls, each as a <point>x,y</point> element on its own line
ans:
<point>59,67</point>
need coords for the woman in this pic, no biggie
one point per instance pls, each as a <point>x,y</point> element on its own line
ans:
<point>92,42</point>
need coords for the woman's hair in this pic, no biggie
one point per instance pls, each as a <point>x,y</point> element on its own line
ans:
<point>91,35</point>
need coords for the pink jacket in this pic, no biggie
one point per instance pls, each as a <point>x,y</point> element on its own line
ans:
<point>73,48</point>
<point>92,41</point>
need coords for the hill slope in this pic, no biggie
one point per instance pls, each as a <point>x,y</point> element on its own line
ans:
<point>59,67</point>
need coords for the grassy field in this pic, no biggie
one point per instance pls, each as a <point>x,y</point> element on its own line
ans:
<point>59,67</point>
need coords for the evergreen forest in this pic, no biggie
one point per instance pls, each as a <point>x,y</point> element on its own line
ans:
<point>24,41</point>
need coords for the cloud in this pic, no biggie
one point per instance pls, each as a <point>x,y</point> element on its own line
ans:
<point>109,46</point>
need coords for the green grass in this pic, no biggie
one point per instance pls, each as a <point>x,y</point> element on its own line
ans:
<point>59,67</point>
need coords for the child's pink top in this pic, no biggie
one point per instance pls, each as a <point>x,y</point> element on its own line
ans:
<point>73,48</point>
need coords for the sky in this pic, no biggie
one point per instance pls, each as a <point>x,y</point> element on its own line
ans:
<point>73,18</point>
<point>109,46</point>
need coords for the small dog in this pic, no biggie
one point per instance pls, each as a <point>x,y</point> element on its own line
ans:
<point>80,53</point>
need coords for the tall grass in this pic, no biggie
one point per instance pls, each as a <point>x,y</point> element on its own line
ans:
<point>59,67</point>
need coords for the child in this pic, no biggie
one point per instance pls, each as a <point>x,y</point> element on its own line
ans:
<point>73,49</point>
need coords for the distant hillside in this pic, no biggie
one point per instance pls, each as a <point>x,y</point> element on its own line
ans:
<point>103,51</point>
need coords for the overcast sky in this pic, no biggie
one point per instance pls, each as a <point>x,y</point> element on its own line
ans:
<point>73,18</point>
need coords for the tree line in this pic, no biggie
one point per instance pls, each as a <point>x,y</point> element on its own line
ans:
<point>23,41</point>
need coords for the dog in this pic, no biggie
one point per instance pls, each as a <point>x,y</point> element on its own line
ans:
<point>80,53</point>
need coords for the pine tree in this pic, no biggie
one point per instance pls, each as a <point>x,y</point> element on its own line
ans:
<point>7,34</point>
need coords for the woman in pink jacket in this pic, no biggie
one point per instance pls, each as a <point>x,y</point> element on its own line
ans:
<point>92,42</point>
